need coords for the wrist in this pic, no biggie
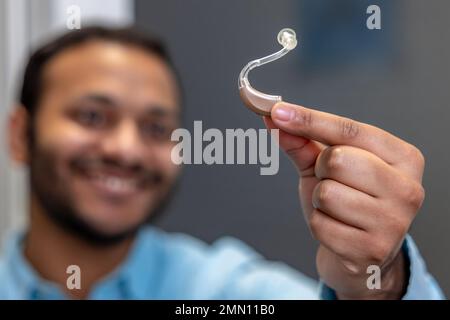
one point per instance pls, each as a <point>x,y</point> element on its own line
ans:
<point>394,279</point>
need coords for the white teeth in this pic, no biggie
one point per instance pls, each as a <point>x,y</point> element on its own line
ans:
<point>116,184</point>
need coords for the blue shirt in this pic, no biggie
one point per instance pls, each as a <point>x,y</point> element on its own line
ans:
<point>162,265</point>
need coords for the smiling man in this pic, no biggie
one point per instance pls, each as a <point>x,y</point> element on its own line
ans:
<point>93,125</point>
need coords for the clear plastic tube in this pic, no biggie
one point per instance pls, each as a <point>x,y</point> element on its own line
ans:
<point>257,101</point>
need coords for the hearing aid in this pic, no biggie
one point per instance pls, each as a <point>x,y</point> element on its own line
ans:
<point>255,100</point>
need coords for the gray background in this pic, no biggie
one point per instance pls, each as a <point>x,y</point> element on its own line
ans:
<point>402,87</point>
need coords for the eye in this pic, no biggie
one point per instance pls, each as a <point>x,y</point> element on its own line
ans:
<point>91,118</point>
<point>156,130</point>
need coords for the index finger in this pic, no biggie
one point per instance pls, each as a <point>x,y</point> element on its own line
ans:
<point>331,130</point>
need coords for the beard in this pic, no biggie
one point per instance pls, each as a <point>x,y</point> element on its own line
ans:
<point>55,199</point>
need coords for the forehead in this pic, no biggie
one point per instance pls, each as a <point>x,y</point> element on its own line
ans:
<point>125,71</point>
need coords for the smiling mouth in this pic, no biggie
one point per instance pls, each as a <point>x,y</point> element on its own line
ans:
<point>113,181</point>
<point>114,185</point>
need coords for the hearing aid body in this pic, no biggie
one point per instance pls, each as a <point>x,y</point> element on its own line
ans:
<point>255,100</point>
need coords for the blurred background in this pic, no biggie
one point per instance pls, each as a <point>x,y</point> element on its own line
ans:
<point>396,78</point>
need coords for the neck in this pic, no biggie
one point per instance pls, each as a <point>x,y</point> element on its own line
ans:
<point>50,250</point>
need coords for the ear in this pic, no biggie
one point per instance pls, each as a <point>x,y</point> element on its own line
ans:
<point>17,135</point>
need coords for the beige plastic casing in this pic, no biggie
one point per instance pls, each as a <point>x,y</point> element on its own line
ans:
<point>257,101</point>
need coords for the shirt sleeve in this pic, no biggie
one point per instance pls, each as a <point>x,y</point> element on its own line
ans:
<point>421,285</point>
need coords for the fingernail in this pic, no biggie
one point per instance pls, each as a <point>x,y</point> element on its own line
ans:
<point>283,113</point>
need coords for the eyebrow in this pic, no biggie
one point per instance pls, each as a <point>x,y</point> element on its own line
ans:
<point>158,111</point>
<point>155,109</point>
<point>99,98</point>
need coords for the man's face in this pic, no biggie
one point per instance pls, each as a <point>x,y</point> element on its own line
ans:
<point>101,149</point>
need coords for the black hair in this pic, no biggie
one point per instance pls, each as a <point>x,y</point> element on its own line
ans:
<point>32,86</point>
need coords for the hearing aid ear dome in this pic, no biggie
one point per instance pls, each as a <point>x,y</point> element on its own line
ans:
<point>287,38</point>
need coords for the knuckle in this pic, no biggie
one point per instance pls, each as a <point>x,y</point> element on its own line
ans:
<point>349,128</point>
<point>414,195</point>
<point>336,158</point>
<point>324,193</point>
<point>415,156</point>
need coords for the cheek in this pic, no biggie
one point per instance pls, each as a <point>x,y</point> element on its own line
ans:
<point>57,132</point>
<point>164,160</point>
<point>65,144</point>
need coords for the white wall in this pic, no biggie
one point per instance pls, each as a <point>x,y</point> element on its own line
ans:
<point>23,25</point>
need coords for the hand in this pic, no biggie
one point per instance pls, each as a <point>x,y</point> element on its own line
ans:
<point>360,189</point>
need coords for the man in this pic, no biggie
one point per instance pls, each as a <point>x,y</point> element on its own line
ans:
<point>93,125</point>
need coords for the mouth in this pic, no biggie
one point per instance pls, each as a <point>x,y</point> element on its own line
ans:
<point>115,186</point>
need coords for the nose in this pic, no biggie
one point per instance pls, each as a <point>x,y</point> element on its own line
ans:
<point>124,144</point>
